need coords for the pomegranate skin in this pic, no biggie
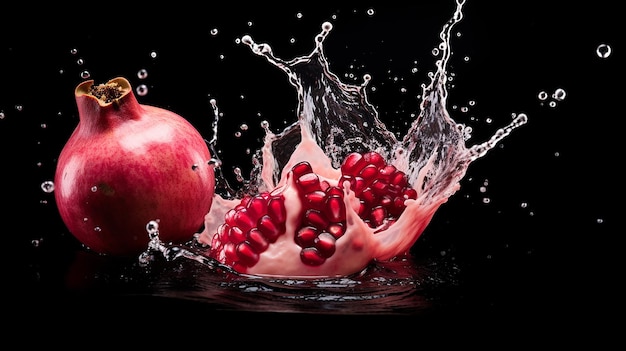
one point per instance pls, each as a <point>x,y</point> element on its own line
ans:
<point>126,164</point>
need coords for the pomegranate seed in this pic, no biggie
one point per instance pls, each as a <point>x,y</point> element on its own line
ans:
<point>257,240</point>
<point>306,236</point>
<point>357,184</point>
<point>374,158</point>
<point>368,173</point>
<point>276,209</point>
<point>315,218</point>
<point>335,209</point>
<point>315,199</point>
<point>399,179</point>
<point>352,164</point>
<point>230,252</point>
<point>301,168</point>
<point>243,220</point>
<point>325,244</point>
<point>308,182</point>
<point>247,255</point>
<point>410,193</point>
<point>229,216</point>
<point>336,229</point>
<point>334,190</point>
<point>379,187</point>
<point>378,216</point>
<point>387,171</point>
<point>311,256</point>
<point>269,229</point>
<point>368,197</point>
<point>257,206</point>
<point>386,201</point>
<point>236,235</point>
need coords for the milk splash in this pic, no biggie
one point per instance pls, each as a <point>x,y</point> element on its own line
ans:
<point>335,119</point>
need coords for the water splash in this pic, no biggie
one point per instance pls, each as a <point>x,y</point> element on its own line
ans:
<point>339,119</point>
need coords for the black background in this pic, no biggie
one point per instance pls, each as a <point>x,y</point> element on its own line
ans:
<point>554,262</point>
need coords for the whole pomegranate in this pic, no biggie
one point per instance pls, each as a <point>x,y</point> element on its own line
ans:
<point>126,164</point>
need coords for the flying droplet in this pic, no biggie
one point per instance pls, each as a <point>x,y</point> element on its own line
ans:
<point>559,94</point>
<point>47,186</point>
<point>603,51</point>
<point>142,73</point>
<point>142,90</point>
<point>542,95</point>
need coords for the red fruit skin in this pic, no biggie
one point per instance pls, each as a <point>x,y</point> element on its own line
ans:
<point>126,164</point>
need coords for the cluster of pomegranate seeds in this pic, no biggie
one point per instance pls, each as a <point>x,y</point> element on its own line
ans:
<point>380,187</point>
<point>259,220</point>
<point>249,229</point>
<point>323,217</point>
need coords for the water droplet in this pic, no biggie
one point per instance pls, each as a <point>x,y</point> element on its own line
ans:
<point>94,189</point>
<point>97,229</point>
<point>85,74</point>
<point>243,126</point>
<point>142,73</point>
<point>19,108</point>
<point>370,12</point>
<point>2,115</point>
<point>214,31</point>
<point>214,162</point>
<point>599,220</point>
<point>603,51</point>
<point>142,90</point>
<point>194,167</point>
<point>153,54</point>
<point>153,229</point>
<point>559,94</point>
<point>237,172</point>
<point>47,186</point>
<point>542,95</point>
<point>74,51</point>
<point>237,134</point>
<point>80,62</point>
<point>299,15</point>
